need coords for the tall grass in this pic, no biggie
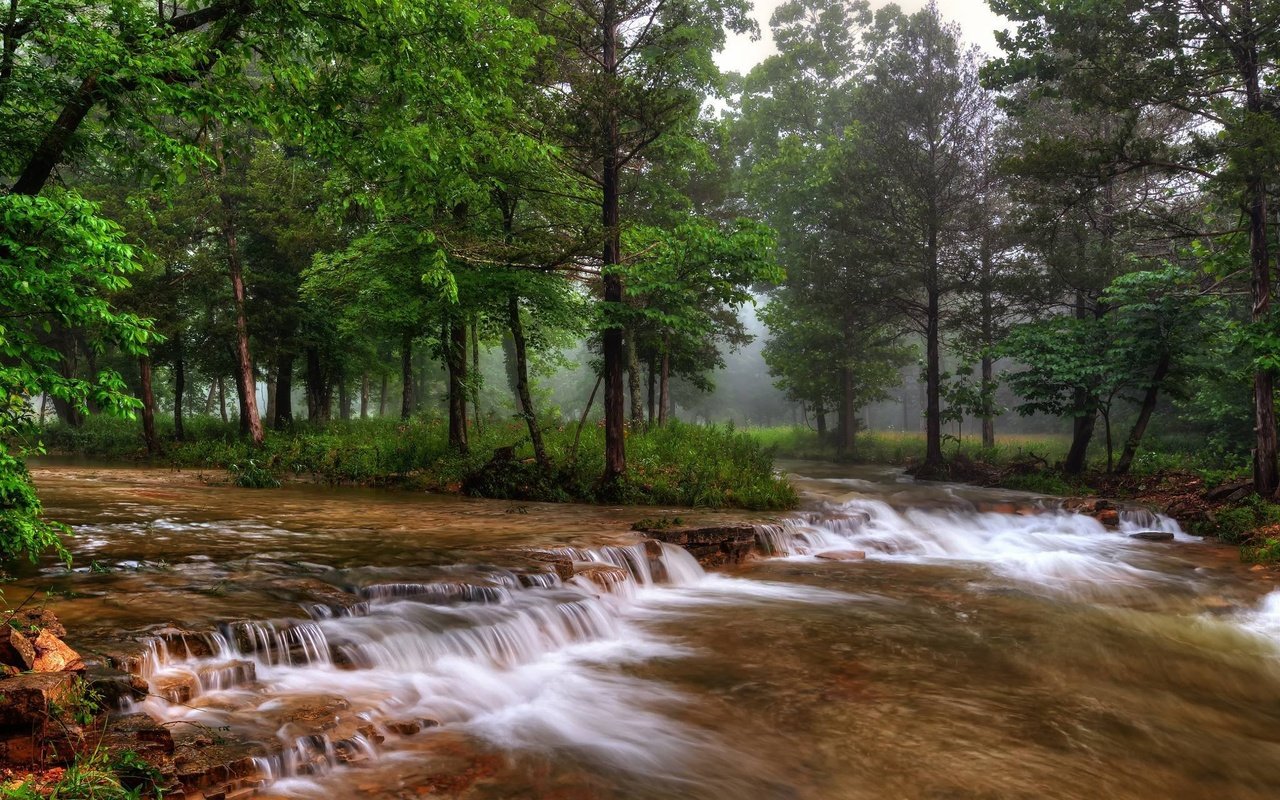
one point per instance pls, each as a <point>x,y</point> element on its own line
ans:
<point>687,465</point>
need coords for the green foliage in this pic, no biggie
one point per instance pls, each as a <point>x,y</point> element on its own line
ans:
<point>250,475</point>
<point>1238,524</point>
<point>98,775</point>
<point>24,532</point>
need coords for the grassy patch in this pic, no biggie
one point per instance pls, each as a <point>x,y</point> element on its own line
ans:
<point>687,465</point>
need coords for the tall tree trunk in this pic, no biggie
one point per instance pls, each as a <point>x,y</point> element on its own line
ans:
<point>633,383</point>
<point>573,451</point>
<point>475,373</point>
<point>933,383</point>
<point>208,401</point>
<point>988,415</point>
<point>242,410</point>
<point>1145,410</point>
<point>820,419</point>
<point>44,406</point>
<point>1082,428</point>
<point>179,390</point>
<point>653,380</point>
<point>509,361</point>
<point>456,364</point>
<point>406,376</point>
<point>284,392</point>
<point>848,414</point>
<point>148,407</point>
<point>615,453</point>
<point>344,399</point>
<point>319,387</point>
<point>382,396</point>
<point>1265,478</point>
<point>1106,426</point>
<point>364,394</point>
<point>271,396</point>
<point>244,361</point>
<point>664,381</point>
<point>222,399</point>
<point>523,396</point>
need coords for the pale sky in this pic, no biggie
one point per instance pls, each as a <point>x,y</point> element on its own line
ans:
<point>974,17</point>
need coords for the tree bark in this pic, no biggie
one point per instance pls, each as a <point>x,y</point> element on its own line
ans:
<point>284,392</point>
<point>364,394</point>
<point>820,420</point>
<point>148,407</point>
<point>222,399</point>
<point>633,383</point>
<point>208,401</point>
<point>524,397</point>
<point>1144,415</point>
<point>1082,428</point>
<point>382,396</point>
<point>270,413</point>
<point>456,364</point>
<point>244,361</point>
<point>406,375</point>
<point>615,452</point>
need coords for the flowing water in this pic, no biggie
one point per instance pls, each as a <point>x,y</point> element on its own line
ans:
<point>381,644</point>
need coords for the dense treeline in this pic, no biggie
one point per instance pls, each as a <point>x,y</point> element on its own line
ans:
<point>1090,207</point>
<point>341,202</point>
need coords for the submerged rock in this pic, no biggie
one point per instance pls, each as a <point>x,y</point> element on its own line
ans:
<point>842,555</point>
<point>1152,536</point>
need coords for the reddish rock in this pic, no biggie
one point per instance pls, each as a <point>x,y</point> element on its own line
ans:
<point>16,650</point>
<point>712,545</point>
<point>1108,516</point>
<point>53,655</point>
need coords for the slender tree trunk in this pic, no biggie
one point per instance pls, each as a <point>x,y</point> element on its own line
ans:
<point>319,387</point>
<point>242,410</point>
<point>222,399</point>
<point>1144,415</point>
<point>364,395</point>
<point>633,383</point>
<point>573,451</point>
<point>1265,478</point>
<point>509,361</point>
<point>456,364</point>
<point>179,391</point>
<point>664,381</point>
<point>475,374</point>
<point>284,392</point>
<point>523,396</point>
<point>244,361</point>
<point>848,414</point>
<point>271,396</point>
<point>382,396</point>
<point>653,380</point>
<point>1106,427</point>
<point>406,376</point>
<point>820,420</point>
<point>933,384</point>
<point>208,401</point>
<point>1083,425</point>
<point>344,399</point>
<point>148,407</point>
<point>44,406</point>
<point>615,453</point>
<point>988,417</point>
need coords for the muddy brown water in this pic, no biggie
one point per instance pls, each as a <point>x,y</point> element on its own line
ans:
<point>971,655</point>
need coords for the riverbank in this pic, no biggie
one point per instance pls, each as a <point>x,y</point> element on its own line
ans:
<point>682,465</point>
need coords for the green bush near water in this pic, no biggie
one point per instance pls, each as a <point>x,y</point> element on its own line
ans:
<point>686,465</point>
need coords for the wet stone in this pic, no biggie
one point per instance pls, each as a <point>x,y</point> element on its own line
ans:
<point>1152,536</point>
<point>711,545</point>
<point>842,555</point>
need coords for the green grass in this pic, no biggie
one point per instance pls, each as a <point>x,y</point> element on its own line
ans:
<point>686,465</point>
<point>900,448</point>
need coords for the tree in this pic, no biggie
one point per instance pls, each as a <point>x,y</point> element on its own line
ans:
<point>629,73</point>
<point>1207,62</point>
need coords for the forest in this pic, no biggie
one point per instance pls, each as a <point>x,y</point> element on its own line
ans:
<point>277,235</point>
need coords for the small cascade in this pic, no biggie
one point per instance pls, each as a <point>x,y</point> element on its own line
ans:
<point>408,656</point>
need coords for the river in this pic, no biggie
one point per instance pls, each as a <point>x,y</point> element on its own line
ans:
<point>382,644</point>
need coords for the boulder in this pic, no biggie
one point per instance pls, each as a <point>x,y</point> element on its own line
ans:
<point>1108,516</point>
<point>842,555</point>
<point>1229,492</point>
<point>28,703</point>
<point>1152,536</point>
<point>16,650</point>
<point>53,655</point>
